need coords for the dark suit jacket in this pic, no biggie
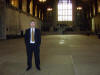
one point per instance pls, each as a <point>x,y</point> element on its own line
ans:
<point>37,37</point>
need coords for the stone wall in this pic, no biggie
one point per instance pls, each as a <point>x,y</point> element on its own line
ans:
<point>2,26</point>
<point>96,24</point>
<point>15,21</point>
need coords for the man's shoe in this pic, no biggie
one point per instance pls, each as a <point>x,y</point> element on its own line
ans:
<point>28,68</point>
<point>38,68</point>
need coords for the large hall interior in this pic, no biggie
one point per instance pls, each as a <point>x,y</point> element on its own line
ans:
<point>70,36</point>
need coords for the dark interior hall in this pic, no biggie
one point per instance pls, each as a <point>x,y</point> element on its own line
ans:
<point>52,16</point>
<point>70,40</point>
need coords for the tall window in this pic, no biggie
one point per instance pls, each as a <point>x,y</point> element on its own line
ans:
<point>24,5</point>
<point>98,1</point>
<point>31,7</point>
<point>14,3</point>
<point>64,10</point>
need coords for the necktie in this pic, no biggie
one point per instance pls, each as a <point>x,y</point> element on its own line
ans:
<point>32,35</point>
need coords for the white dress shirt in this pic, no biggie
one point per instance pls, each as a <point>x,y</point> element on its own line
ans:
<point>31,35</point>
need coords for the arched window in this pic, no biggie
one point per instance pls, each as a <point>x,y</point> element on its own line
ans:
<point>31,7</point>
<point>14,3</point>
<point>64,10</point>
<point>98,1</point>
<point>24,5</point>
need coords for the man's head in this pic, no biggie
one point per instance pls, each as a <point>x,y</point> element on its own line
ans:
<point>32,24</point>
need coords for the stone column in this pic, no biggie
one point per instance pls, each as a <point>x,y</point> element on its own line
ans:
<point>41,14</point>
<point>34,4</point>
<point>7,2</point>
<point>96,7</point>
<point>20,4</point>
<point>28,6</point>
<point>38,11</point>
<point>2,20</point>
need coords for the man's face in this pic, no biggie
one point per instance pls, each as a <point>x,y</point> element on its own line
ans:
<point>32,24</point>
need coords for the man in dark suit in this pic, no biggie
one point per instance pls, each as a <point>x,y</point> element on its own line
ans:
<point>32,42</point>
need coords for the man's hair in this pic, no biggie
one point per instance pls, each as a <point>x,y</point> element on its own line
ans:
<point>33,21</point>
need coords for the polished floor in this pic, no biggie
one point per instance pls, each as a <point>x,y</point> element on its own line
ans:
<point>60,55</point>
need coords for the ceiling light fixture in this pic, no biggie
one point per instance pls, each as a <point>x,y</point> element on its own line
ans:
<point>42,1</point>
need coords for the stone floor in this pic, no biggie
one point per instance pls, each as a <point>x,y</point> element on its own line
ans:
<point>60,55</point>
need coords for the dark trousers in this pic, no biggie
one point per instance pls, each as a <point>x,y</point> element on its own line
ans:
<point>30,49</point>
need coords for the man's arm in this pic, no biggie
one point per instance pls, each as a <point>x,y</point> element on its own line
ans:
<point>39,37</point>
<point>25,37</point>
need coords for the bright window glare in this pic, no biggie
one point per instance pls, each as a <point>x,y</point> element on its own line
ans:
<point>64,10</point>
